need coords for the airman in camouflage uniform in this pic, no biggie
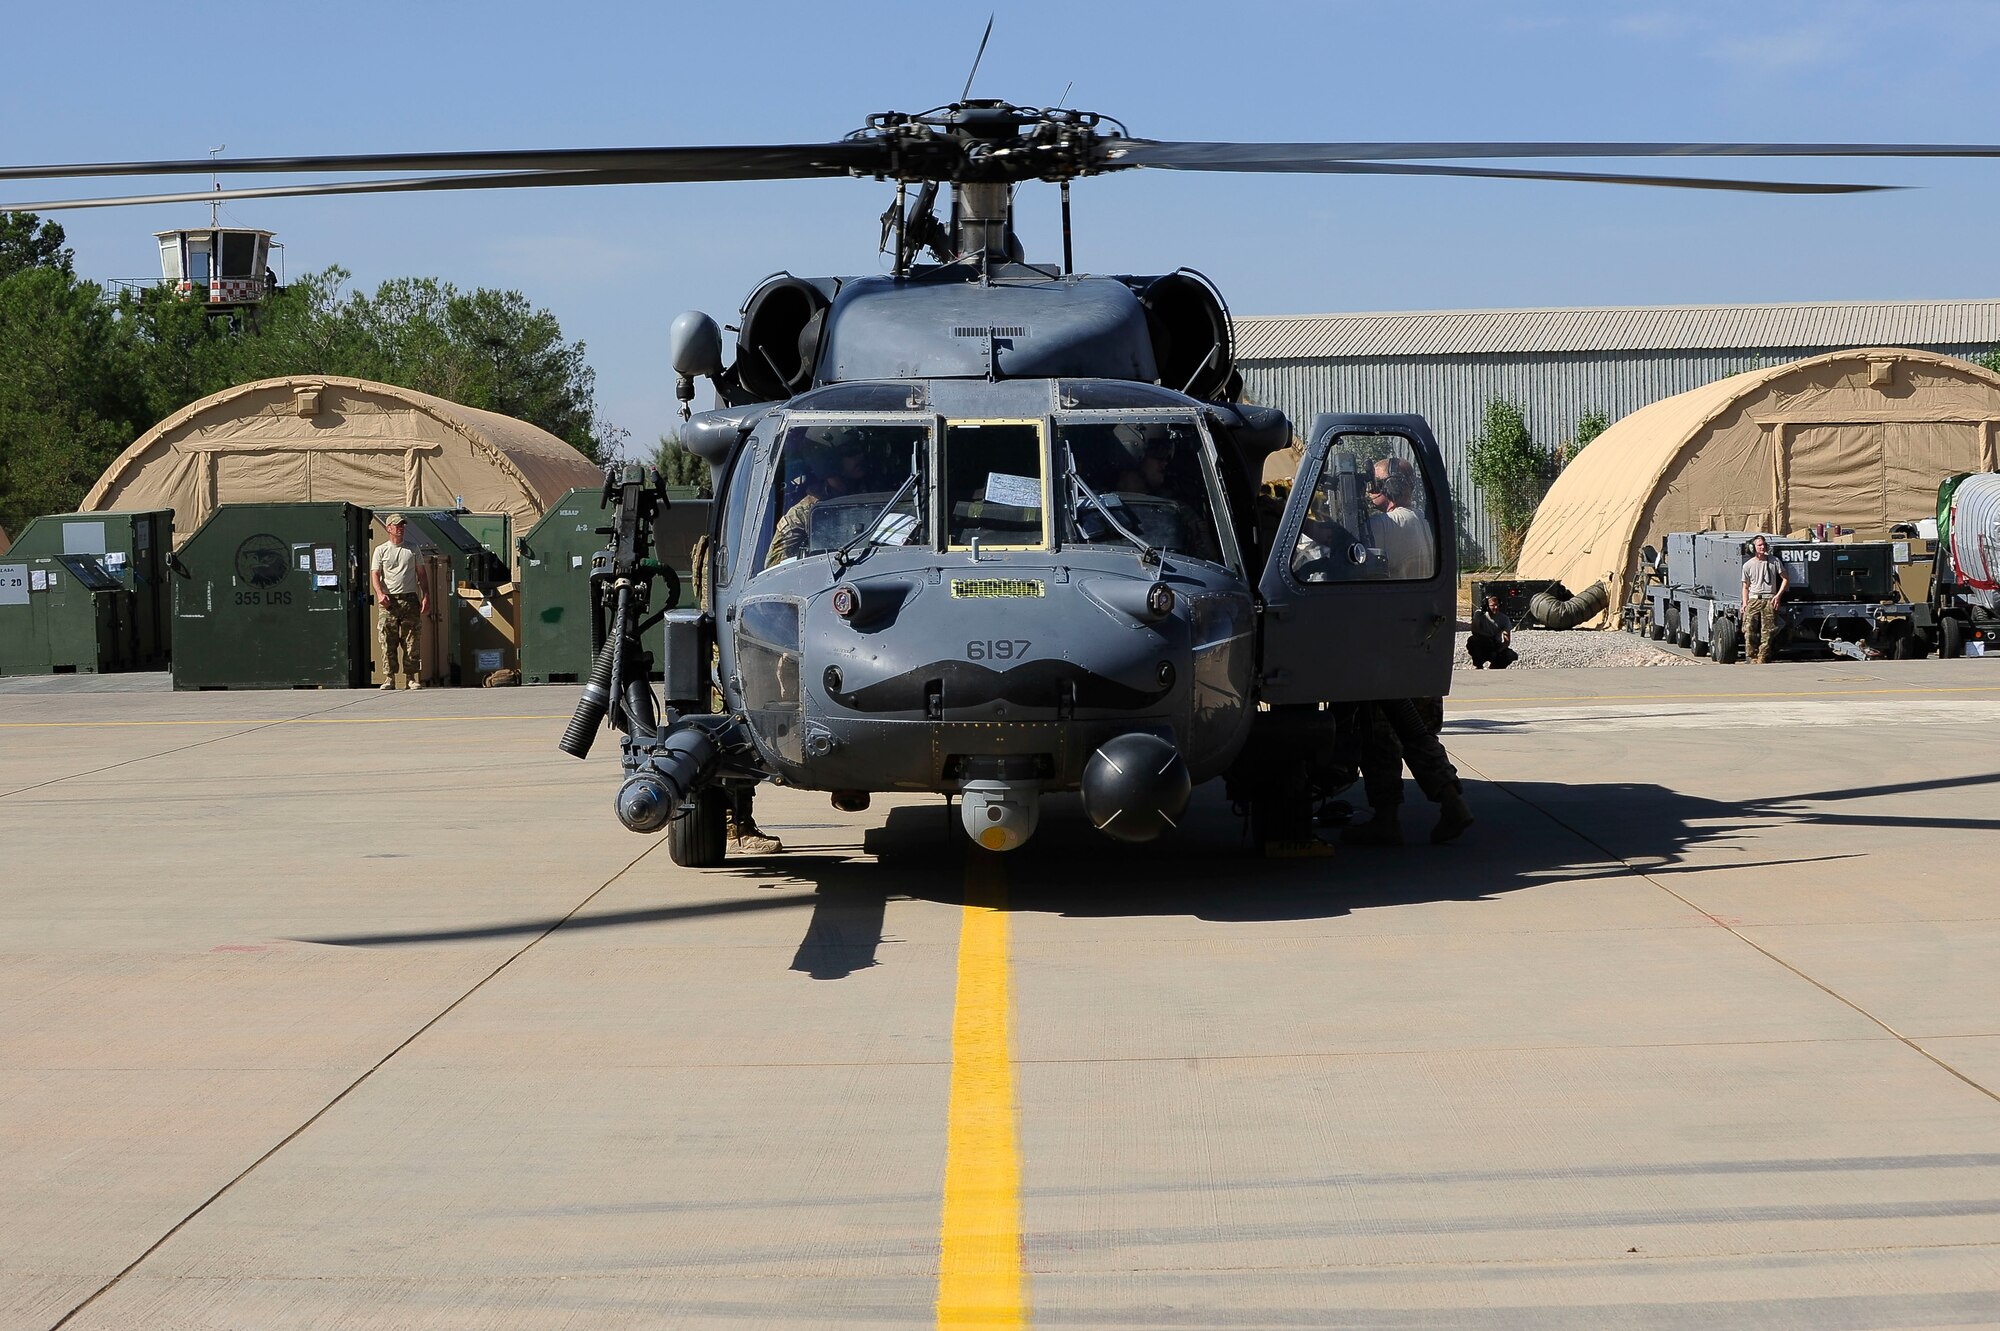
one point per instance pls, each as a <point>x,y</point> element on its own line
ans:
<point>404,599</point>
<point>745,837</point>
<point>1764,584</point>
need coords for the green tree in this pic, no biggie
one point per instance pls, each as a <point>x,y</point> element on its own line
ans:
<point>678,466</point>
<point>66,401</point>
<point>484,348</point>
<point>26,241</point>
<point>82,375</point>
<point>1511,471</point>
<point>1991,360</point>
<point>1592,423</point>
<point>1589,425</point>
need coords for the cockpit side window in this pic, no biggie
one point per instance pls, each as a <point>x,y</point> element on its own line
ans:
<point>835,481</point>
<point>1149,475</point>
<point>993,489</point>
<point>1370,515</point>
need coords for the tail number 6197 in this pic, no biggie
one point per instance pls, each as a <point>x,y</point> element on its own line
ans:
<point>996,649</point>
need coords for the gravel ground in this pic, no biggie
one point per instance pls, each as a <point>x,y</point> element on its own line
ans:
<point>1547,649</point>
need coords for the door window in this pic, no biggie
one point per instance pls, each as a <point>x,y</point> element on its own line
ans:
<point>1370,517</point>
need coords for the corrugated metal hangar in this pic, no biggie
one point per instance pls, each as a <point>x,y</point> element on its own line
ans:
<point>1560,364</point>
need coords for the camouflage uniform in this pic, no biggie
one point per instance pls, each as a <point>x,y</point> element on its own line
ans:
<point>793,533</point>
<point>1760,627</point>
<point>744,836</point>
<point>398,634</point>
<point>1394,733</point>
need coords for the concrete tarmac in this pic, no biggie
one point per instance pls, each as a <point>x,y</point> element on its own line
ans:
<point>358,1010</point>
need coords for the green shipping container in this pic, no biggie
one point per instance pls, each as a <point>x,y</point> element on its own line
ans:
<point>22,651</point>
<point>274,596</point>
<point>135,548</point>
<point>495,531</point>
<point>555,577</point>
<point>62,615</point>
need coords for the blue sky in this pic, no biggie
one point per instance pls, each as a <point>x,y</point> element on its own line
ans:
<point>120,81</point>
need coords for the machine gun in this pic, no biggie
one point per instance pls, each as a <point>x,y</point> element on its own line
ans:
<point>672,751</point>
<point>619,690</point>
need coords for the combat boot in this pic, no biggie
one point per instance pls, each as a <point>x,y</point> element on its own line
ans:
<point>1453,818</point>
<point>1384,829</point>
<point>746,838</point>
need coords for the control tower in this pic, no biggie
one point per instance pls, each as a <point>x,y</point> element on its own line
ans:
<point>228,267</point>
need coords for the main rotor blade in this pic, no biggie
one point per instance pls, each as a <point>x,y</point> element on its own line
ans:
<point>502,180</point>
<point>775,161</point>
<point>1191,156</point>
<point>1347,168</point>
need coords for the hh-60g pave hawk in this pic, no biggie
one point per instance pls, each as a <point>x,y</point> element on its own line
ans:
<point>992,529</point>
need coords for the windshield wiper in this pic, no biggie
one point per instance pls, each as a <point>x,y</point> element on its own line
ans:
<point>871,533</point>
<point>1147,554</point>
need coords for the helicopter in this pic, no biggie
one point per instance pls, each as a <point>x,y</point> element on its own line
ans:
<point>993,529</point>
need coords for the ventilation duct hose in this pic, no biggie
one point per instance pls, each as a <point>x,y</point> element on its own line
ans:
<point>1552,613</point>
<point>590,708</point>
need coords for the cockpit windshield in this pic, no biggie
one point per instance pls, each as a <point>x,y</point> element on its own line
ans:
<point>840,482</point>
<point>1148,476</point>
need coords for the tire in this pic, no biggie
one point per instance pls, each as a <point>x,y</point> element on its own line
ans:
<point>698,838</point>
<point>1728,641</point>
<point>1656,632</point>
<point>1951,637</point>
<point>1684,638</point>
<point>1909,645</point>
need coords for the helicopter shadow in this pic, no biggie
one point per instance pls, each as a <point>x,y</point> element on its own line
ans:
<point>1528,834</point>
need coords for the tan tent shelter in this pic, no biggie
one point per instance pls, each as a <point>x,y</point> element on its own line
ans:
<point>317,438</point>
<point>1858,438</point>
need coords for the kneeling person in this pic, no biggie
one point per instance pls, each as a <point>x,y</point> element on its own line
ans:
<point>1491,643</point>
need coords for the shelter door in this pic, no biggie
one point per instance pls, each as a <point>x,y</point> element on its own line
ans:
<point>250,476</point>
<point>1866,476</point>
<point>1918,455</point>
<point>1359,589</point>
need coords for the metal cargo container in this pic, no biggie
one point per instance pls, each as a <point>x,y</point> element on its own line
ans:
<point>21,648</point>
<point>495,531</point>
<point>63,614</point>
<point>472,630</point>
<point>555,577</point>
<point>135,548</point>
<point>273,596</point>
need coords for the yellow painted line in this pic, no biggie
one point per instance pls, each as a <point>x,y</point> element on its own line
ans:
<point>982,1281</point>
<point>275,721</point>
<point>1677,697</point>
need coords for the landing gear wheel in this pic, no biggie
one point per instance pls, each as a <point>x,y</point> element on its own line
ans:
<point>698,838</point>
<point>1951,637</point>
<point>1728,641</point>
